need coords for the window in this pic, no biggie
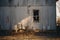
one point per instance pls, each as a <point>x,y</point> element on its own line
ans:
<point>36,15</point>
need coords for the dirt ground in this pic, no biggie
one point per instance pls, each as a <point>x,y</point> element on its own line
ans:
<point>24,36</point>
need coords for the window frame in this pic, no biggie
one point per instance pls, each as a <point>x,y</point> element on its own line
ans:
<point>36,16</point>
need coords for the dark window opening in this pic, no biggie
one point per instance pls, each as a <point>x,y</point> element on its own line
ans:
<point>36,15</point>
<point>36,12</point>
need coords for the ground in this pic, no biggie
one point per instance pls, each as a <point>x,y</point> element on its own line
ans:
<point>32,36</point>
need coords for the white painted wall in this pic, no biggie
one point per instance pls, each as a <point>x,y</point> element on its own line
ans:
<point>19,13</point>
<point>47,17</point>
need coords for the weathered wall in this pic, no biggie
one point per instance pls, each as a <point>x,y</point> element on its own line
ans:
<point>12,13</point>
<point>47,17</point>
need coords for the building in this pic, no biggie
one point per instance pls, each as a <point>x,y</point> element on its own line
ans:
<point>37,14</point>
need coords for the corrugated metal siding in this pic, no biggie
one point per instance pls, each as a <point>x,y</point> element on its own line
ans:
<point>47,17</point>
<point>26,2</point>
<point>19,11</point>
